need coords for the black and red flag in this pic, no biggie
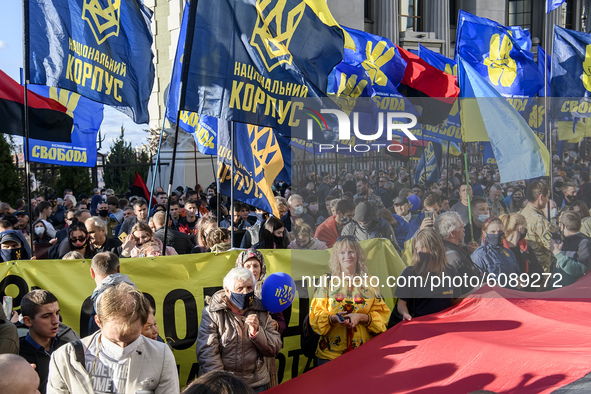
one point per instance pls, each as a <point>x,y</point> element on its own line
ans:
<point>48,119</point>
<point>140,189</point>
<point>428,88</point>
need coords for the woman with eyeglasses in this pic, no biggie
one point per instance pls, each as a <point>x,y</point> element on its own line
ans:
<point>351,313</point>
<point>77,240</point>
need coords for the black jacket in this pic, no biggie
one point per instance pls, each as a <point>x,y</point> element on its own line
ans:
<point>110,245</point>
<point>460,264</point>
<point>181,242</point>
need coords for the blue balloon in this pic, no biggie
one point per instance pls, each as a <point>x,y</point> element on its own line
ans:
<point>415,202</point>
<point>278,292</point>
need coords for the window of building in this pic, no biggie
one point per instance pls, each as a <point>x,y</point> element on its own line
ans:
<point>568,18</point>
<point>368,10</point>
<point>520,13</point>
<point>410,15</point>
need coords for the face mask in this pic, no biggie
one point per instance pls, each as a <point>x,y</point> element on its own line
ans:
<point>570,199</point>
<point>12,254</point>
<point>424,257</point>
<point>509,194</point>
<point>482,218</point>
<point>494,239</point>
<point>345,220</point>
<point>558,185</point>
<point>260,217</point>
<point>103,212</point>
<point>523,234</point>
<point>314,208</point>
<point>404,179</point>
<point>278,240</point>
<point>39,231</point>
<point>553,212</point>
<point>298,211</point>
<point>116,352</point>
<point>242,301</point>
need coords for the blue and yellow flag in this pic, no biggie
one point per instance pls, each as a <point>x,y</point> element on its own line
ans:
<point>544,61</point>
<point>438,61</point>
<point>571,73</point>
<point>87,115</point>
<point>495,54</point>
<point>249,58</point>
<point>100,49</point>
<point>259,161</point>
<point>517,150</point>
<point>428,171</point>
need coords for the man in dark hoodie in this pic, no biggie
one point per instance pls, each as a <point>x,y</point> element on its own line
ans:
<point>41,314</point>
<point>366,225</point>
<point>104,269</point>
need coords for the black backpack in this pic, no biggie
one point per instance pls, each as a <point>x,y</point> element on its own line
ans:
<point>309,339</point>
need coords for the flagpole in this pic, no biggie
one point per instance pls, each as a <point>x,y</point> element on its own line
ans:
<point>156,166</point>
<point>447,173</point>
<point>182,98</point>
<point>233,173</point>
<point>547,129</point>
<point>26,116</point>
<point>218,196</point>
<point>468,194</point>
<point>303,178</point>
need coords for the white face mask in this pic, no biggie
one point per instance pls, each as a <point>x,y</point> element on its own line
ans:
<point>553,212</point>
<point>39,230</point>
<point>117,352</point>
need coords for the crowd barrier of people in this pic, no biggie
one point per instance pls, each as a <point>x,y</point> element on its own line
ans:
<point>507,233</point>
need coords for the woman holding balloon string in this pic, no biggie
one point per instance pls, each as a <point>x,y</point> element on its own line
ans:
<point>236,333</point>
<point>348,316</point>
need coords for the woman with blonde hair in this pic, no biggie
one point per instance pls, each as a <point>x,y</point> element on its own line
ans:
<point>515,226</point>
<point>351,313</point>
<point>204,226</point>
<point>416,297</point>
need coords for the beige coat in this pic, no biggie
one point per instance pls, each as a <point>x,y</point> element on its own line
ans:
<point>152,368</point>
<point>223,342</point>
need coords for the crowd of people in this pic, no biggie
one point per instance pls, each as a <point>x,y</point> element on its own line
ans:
<point>481,228</point>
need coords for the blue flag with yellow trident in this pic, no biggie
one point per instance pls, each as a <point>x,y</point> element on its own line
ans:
<point>203,128</point>
<point>100,49</point>
<point>438,61</point>
<point>428,168</point>
<point>87,115</point>
<point>249,58</point>
<point>259,160</point>
<point>493,52</point>
<point>571,73</point>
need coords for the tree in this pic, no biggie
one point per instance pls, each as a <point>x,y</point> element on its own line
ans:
<point>75,178</point>
<point>122,163</point>
<point>10,187</point>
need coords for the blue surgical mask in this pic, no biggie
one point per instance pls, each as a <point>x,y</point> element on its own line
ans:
<point>298,211</point>
<point>260,217</point>
<point>553,212</point>
<point>482,218</point>
<point>242,301</point>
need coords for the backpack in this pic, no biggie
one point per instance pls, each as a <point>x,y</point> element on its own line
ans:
<point>309,339</point>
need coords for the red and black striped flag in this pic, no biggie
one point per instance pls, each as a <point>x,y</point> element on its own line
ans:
<point>48,119</point>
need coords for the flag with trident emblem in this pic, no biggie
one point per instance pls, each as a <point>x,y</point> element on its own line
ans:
<point>496,55</point>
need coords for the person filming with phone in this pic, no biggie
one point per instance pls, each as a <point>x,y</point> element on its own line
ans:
<point>346,315</point>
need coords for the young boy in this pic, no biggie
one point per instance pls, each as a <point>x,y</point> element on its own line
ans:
<point>41,313</point>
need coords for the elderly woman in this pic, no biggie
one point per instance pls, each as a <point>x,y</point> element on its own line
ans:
<point>236,332</point>
<point>347,316</point>
<point>492,257</point>
<point>141,243</point>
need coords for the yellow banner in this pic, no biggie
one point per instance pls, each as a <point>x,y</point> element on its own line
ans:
<point>179,284</point>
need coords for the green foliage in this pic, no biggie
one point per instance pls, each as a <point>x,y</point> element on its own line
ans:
<point>10,186</point>
<point>120,165</point>
<point>75,178</point>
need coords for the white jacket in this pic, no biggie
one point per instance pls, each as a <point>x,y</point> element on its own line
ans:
<point>152,368</point>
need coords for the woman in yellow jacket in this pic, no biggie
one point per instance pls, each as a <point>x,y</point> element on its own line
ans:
<point>351,313</point>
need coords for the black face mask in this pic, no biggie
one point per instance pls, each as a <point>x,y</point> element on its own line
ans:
<point>103,212</point>
<point>570,199</point>
<point>278,240</point>
<point>12,254</point>
<point>558,185</point>
<point>242,301</point>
